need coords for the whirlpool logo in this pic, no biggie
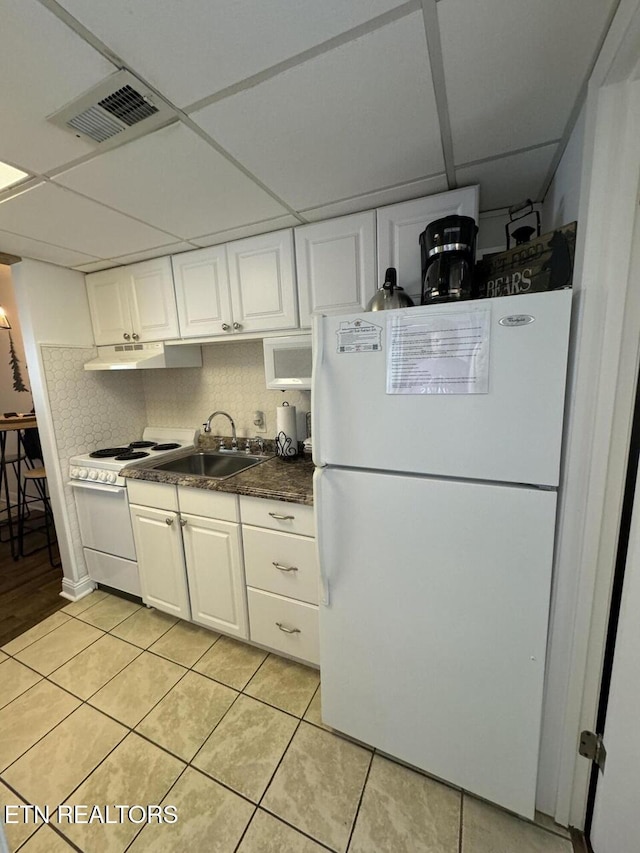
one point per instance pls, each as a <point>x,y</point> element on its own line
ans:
<point>516,320</point>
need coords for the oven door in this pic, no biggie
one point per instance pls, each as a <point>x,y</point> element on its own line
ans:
<point>105,523</point>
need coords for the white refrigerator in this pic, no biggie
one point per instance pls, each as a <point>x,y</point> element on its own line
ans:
<point>436,437</point>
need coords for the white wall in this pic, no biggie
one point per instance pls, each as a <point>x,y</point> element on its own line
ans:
<point>560,207</point>
<point>563,198</point>
<point>53,309</point>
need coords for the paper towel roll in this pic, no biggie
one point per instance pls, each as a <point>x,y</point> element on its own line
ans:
<point>286,431</point>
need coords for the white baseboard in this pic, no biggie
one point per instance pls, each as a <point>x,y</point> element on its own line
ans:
<point>75,590</point>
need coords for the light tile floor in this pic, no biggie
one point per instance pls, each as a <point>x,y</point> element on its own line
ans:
<point>107,703</point>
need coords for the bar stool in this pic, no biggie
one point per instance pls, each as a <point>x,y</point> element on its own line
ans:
<point>37,476</point>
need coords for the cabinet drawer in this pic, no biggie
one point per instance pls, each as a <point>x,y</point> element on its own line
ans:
<point>266,610</point>
<point>278,515</point>
<point>207,503</point>
<point>158,495</point>
<point>266,550</point>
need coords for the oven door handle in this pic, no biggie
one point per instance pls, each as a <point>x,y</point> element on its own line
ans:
<point>97,487</point>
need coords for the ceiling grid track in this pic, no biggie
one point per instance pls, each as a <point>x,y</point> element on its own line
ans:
<point>434,55</point>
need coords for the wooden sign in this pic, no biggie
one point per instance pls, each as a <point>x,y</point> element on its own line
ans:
<point>545,263</point>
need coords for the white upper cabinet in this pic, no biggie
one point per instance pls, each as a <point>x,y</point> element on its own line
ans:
<point>133,303</point>
<point>400,226</point>
<point>202,292</point>
<point>336,265</point>
<point>262,282</point>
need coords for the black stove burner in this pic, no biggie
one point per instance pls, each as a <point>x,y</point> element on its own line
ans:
<point>139,444</point>
<point>131,454</point>
<point>170,446</point>
<point>105,452</point>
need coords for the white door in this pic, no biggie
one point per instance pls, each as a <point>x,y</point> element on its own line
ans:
<point>400,226</point>
<point>108,295</point>
<point>336,265</point>
<point>432,644</point>
<point>153,304</point>
<point>616,821</point>
<point>512,433</point>
<point>160,559</point>
<point>216,576</point>
<point>263,282</point>
<point>202,292</point>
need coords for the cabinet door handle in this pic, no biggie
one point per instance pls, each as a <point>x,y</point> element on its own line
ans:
<point>281,517</point>
<point>127,336</point>
<point>168,521</point>
<point>237,326</point>
<point>135,336</point>
<point>285,568</point>
<point>288,630</point>
<point>225,327</point>
<point>183,522</point>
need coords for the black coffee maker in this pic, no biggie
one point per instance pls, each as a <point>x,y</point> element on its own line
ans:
<point>448,249</point>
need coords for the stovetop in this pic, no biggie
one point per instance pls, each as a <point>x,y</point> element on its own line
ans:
<point>103,464</point>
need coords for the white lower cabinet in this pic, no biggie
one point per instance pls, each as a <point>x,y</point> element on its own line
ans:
<point>214,571</point>
<point>160,559</point>
<point>282,576</point>
<point>284,625</point>
<point>192,553</point>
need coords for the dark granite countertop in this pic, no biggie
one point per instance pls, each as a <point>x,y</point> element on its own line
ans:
<point>275,479</point>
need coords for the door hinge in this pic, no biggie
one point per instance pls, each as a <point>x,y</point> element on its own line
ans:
<point>592,747</point>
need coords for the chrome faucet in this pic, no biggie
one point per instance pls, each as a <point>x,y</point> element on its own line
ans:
<point>207,428</point>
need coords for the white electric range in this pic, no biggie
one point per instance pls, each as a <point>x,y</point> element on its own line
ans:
<point>103,509</point>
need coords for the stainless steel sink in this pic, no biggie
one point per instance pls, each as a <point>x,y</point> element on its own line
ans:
<point>211,463</point>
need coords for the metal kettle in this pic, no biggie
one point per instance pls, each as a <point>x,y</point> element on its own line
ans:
<point>390,294</point>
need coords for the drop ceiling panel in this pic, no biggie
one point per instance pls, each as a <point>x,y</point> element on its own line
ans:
<point>55,215</point>
<point>392,195</point>
<point>509,180</point>
<point>25,247</point>
<point>246,231</point>
<point>173,180</point>
<point>514,71</point>
<point>44,65</point>
<point>353,120</point>
<point>190,50</point>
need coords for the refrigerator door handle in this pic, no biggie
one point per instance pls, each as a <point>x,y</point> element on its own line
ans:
<point>316,402</point>
<point>323,581</point>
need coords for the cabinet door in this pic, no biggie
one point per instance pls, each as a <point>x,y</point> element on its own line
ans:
<point>336,265</point>
<point>400,226</point>
<point>108,295</point>
<point>262,279</point>
<point>216,574</point>
<point>153,303</point>
<point>160,560</point>
<point>202,292</point>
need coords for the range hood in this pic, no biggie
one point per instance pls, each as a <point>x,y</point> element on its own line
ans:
<point>145,356</point>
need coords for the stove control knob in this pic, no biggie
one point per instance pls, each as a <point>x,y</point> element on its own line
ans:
<point>74,472</point>
<point>111,477</point>
<point>93,475</point>
<point>102,476</point>
<point>82,473</point>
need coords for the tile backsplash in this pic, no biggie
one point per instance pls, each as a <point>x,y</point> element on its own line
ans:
<point>232,379</point>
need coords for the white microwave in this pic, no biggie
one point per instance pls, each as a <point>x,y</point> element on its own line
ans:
<point>287,362</point>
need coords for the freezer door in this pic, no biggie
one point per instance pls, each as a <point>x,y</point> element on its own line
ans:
<point>512,433</point>
<point>434,623</point>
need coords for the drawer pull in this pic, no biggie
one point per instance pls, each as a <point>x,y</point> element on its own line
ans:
<point>288,630</point>
<point>281,517</point>
<point>169,521</point>
<point>285,568</point>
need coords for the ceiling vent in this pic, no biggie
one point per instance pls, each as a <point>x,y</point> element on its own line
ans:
<point>115,111</point>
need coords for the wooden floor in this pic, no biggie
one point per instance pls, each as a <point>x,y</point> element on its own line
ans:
<point>29,588</point>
